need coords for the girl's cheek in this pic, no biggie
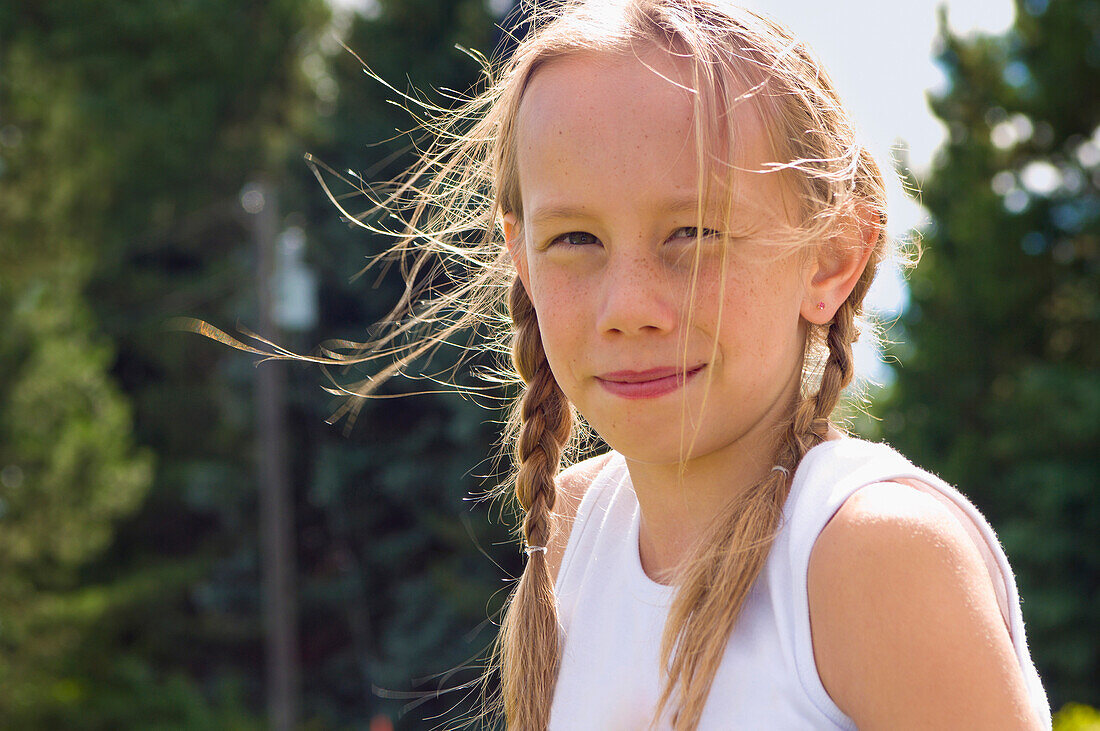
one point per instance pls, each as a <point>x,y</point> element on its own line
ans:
<point>703,292</point>
<point>556,292</point>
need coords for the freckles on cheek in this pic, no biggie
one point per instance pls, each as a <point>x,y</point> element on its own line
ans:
<point>558,320</point>
<point>752,317</point>
<point>550,305</point>
<point>559,287</point>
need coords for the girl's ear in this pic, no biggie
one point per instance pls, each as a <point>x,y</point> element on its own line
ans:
<point>513,240</point>
<point>837,266</point>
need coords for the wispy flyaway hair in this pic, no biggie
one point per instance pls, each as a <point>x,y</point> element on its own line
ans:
<point>444,217</point>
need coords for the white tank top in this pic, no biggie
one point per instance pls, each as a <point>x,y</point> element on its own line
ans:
<point>613,615</point>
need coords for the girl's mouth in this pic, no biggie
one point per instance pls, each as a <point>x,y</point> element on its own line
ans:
<point>651,383</point>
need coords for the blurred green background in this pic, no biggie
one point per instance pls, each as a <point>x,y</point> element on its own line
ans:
<point>142,146</point>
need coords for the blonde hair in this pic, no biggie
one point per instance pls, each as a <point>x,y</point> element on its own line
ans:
<point>457,272</point>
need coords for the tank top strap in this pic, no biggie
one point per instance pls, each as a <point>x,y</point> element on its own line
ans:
<point>828,475</point>
<point>603,503</point>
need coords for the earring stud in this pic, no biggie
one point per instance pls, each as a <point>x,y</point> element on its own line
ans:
<point>821,305</point>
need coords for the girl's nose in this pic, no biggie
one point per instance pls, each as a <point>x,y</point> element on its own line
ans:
<point>636,297</point>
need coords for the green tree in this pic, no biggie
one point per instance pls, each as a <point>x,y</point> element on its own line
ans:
<point>394,588</point>
<point>128,130</point>
<point>68,468</point>
<point>998,387</point>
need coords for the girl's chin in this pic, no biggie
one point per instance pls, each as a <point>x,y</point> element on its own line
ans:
<point>655,447</point>
<point>667,436</point>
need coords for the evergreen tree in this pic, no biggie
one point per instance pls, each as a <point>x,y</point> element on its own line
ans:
<point>395,589</point>
<point>998,386</point>
<point>128,130</point>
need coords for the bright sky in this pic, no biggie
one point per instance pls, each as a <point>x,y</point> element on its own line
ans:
<point>879,54</point>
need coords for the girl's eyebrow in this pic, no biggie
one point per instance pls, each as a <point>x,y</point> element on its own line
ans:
<point>552,213</point>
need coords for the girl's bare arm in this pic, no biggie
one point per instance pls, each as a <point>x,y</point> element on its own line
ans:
<point>907,631</point>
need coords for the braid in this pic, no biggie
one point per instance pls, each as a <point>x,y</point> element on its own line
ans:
<point>732,554</point>
<point>529,648</point>
<point>546,422</point>
<point>809,423</point>
<point>711,595</point>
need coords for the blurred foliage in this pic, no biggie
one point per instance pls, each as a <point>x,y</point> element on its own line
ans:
<point>998,387</point>
<point>126,131</point>
<point>68,470</point>
<point>121,210</point>
<point>1077,717</point>
<point>397,590</point>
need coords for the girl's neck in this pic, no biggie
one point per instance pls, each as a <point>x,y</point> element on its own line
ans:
<point>678,501</point>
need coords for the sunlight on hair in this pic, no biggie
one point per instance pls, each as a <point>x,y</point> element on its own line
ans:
<point>444,218</point>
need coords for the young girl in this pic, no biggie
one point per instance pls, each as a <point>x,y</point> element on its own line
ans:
<point>673,193</point>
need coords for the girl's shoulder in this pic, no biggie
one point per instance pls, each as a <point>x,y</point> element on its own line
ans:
<point>905,614</point>
<point>572,484</point>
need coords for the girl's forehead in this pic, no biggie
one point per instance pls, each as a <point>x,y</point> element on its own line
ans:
<point>589,85</point>
<point>641,70</point>
<point>591,120</point>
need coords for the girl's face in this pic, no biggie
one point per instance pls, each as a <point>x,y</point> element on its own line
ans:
<point>606,248</point>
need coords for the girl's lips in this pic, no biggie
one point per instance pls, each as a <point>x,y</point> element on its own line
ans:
<point>651,383</point>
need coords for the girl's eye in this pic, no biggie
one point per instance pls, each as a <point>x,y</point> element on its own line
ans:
<point>691,232</point>
<point>576,238</point>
